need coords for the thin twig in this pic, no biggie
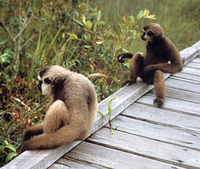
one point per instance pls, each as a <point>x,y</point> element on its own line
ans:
<point>18,100</point>
<point>7,30</point>
<point>27,42</point>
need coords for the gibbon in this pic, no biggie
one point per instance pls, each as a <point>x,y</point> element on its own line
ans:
<point>72,110</point>
<point>161,56</point>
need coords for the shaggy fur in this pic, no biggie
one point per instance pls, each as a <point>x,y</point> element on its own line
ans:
<point>71,113</point>
<point>161,56</point>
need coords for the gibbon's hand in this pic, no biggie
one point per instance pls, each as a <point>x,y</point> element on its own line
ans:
<point>26,135</point>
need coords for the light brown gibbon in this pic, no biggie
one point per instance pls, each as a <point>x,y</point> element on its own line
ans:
<point>161,56</point>
<point>71,113</point>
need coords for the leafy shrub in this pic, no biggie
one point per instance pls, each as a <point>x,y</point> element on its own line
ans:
<point>68,33</point>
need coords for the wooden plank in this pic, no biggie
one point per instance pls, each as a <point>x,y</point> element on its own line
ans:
<point>104,157</point>
<point>188,54</point>
<point>146,147</point>
<point>39,159</point>
<point>183,84</point>
<point>197,60</point>
<point>159,116</point>
<point>174,104</point>
<point>195,65</point>
<point>181,94</point>
<point>66,162</point>
<point>197,47</point>
<point>158,131</point>
<point>192,78</point>
<point>192,71</point>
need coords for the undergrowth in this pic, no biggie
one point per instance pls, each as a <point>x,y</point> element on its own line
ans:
<point>85,38</point>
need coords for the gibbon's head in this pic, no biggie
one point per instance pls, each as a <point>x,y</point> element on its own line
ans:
<point>49,77</point>
<point>151,32</point>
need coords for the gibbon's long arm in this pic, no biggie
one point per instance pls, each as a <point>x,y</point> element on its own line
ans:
<point>34,130</point>
<point>121,57</point>
<point>64,135</point>
<point>174,66</point>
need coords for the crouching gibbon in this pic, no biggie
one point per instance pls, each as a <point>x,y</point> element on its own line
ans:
<point>72,110</point>
<point>161,56</point>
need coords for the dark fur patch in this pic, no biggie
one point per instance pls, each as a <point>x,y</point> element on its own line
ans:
<point>57,87</point>
<point>47,81</point>
<point>42,72</point>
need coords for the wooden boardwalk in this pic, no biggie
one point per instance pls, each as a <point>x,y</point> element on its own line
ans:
<point>148,137</point>
<point>144,136</point>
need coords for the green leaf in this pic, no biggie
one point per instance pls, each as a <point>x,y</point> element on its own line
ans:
<point>99,42</point>
<point>146,12</point>
<point>79,22</point>
<point>108,22</point>
<point>88,36</point>
<point>89,24</point>
<point>11,147</point>
<point>109,108</point>
<point>134,32</point>
<point>115,79</point>
<point>125,50</point>
<point>127,64</point>
<point>102,114</point>
<point>83,19</point>
<point>138,17</point>
<point>132,18</point>
<point>124,19</point>
<point>98,15</point>
<point>95,27</point>
<point>121,27</point>
<point>87,46</point>
<point>10,156</point>
<point>73,36</point>
<point>141,13</point>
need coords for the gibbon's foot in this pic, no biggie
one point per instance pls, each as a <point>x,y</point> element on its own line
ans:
<point>158,102</point>
<point>128,83</point>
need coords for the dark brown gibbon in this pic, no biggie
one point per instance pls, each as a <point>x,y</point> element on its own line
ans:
<point>72,110</point>
<point>161,56</point>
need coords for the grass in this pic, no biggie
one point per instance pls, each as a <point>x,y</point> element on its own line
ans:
<point>179,18</point>
<point>56,34</point>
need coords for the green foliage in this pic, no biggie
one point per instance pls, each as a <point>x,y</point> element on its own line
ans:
<point>69,33</point>
<point>79,36</point>
<point>109,114</point>
<point>7,152</point>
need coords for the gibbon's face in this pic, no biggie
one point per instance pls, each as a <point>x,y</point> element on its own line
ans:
<point>50,76</point>
<point>151,31</point>
<point>45,86</point>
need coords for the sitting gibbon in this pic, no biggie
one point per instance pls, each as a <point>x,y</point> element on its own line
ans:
<point>161,56</point>
<point>72,110</point>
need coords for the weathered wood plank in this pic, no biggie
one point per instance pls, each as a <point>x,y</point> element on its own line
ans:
<point>194,78</point>
<point>195,65</point>
<point>110,158</point>
<point>197,60</point>
<point>66,162</point>
<point>183,84</point>
<point>39,159</point>
<point>174,104</point>
<point>188,54</point>
<point>158,131</point>
<point>181,94</point>
<point>192,71</point>
<point>162,117</point>
<point>153,149</point>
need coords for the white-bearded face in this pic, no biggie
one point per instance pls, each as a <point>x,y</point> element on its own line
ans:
<point>45,86</point>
